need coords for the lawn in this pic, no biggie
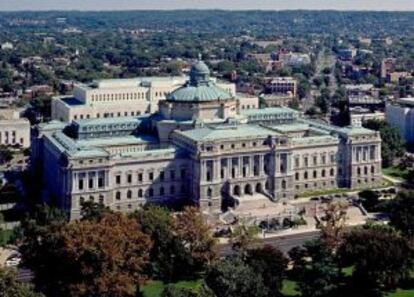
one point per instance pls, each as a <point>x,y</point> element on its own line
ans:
<point>396,172</point>
<point>401,293</point>
<point>155,288</point>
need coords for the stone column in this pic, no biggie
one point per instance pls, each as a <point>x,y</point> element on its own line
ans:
<point>261,164</point>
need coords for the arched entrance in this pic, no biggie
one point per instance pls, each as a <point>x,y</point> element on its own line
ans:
<point>248,189</point>
<point>236,190</point>
<point>259,188</point>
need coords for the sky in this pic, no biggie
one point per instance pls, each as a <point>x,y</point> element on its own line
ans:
<point>400,5</point>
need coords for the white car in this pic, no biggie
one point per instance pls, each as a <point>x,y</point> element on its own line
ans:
<point>13,261</point>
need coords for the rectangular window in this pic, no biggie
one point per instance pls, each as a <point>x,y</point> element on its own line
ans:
<point>90,183</point>
<point>118,179</point>
<point>315,160</point>
<point>129,178</point>
<point>151,176</point>
<point>80,185</point>
<point>140,177</point>
<point>100,182</point>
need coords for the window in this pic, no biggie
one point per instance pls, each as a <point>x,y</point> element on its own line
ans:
<point>140,177</point>
<point>305,161</point>
<point>172,190</point>
<point>332,172</point>
<point>80,184</point>
<point>183,173</point>
<point>129,194</point>
<point>305,175</point>
<point>172,174</point>
<point>297,162</point>
<point>101,199</point>
<point>151,176</point>
<point>129,178</point>
<point>90,183</point>
<point>161,191</point>
<point>297,175</point>
<point>332,158</point>
<point>323,173</point>
<point>162,175</point>
<point>140,193</point>
<point>315,160</point>
<point>100,182</point>
<point>315,174</point>
<point>118,179</point>
<point>118,195</point>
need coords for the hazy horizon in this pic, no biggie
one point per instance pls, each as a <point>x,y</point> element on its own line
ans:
<point>100,5</point>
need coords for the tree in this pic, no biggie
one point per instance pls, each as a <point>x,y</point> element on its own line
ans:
<point>10,287</point>
<point>169,259</point>
<point>380,256</point>
<point>197,237</point>
<point>243,236</point>
<point>93,211</point>
<point>6,155</point>
<point>333,224</point>
<point>402,213</point>
<point>315,268</point>
<point>233,278</point>
<point>392,144</point>
<point>369,199</point>
<point>102,257</point>
<point>270,264</point>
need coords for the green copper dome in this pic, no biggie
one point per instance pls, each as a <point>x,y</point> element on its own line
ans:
<point>199,87</point>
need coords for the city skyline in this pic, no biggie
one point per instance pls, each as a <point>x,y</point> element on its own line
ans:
<point>392,5</point>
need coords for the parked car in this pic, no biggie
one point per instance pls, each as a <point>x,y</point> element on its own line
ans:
<point>13,261</point>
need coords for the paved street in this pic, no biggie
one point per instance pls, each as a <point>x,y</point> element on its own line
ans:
<point>284,243</point>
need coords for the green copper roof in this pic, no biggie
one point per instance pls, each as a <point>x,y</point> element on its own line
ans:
<point>199,88</point>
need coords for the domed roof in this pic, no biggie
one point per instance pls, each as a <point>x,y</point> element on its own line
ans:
<point>200,68</point>
<point>199,87</point>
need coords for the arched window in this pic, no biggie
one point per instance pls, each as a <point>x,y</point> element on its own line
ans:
<point>359,171</point>
<point>129,194</point>
<point>365,170</point>
<point>140,193</point>
<point>332,172</point>
<point>118,195</point>
<point>323,173</point>
<point>209,193</point>
<point>297,175</point>
<point>315,174</point>
<point>372,169</point>
<point>305,175</point>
